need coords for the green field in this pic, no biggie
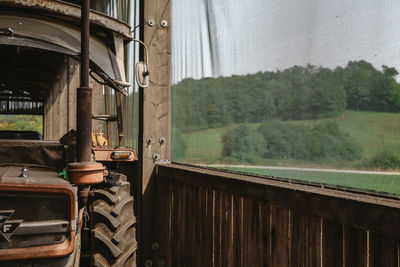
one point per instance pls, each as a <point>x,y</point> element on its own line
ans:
<point>375,182</point>
<point>374,131</point>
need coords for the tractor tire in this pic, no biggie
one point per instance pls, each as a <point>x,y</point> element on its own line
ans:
<point>112,225</point>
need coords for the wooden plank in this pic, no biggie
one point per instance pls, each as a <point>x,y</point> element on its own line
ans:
<point>108,112</point>
<point>305,241</point>
<point>314,242</point>
<point>74,82</point>
<point>208,234</point>
<point>279,236</point>
<point>204,218</point>
<point>175,213</point>
<point>194,225</point>
<point>239,231</point>
<point>248,246</point>
<point>217,226</point>
<point>97,104</point>
<point>355,252</point>
<point>383,251</point>
<point>226,230</point>
<point>120,123</point>
<point>298,240</point>
<point>63,116</point>
<point>162,226</point>
<point>256,228</point>
<point>192,240</point>
<point>184,228</point>
<point>264,232</point>
<point>255,223</point>
<point>154,111</point>
<point>332,244</point>
<point>351,209</point>
<point>179,225</point>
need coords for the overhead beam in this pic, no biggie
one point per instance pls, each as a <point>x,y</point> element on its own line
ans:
<point>72,11</point>
<point>17,83</point>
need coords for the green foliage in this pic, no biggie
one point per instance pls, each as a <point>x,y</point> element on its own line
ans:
<point>385,160</point>
<point>280,140</point>
<point>242,144</point>
<point>369,89</point>
<point>21,123</point>
<point>297,93</point>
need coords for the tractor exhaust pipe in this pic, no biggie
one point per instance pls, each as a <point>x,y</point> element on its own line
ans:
<point>84,172</point>
<point>84,93</point>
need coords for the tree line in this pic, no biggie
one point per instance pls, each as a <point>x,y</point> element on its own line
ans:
<point>276,139</point>
<point>296,93</point>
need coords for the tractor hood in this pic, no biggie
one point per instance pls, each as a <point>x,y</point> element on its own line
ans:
<point>49,154</point>
<point>39,209</point>
<point>30,175</point>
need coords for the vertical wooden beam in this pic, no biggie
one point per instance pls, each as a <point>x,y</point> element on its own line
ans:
<point>108,112</point>
<point>154,115</point>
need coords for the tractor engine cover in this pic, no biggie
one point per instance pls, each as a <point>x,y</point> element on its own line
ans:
<point>37,213</point>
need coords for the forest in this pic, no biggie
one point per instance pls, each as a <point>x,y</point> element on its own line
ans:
<point>296,93</point>
<point>273,98</point>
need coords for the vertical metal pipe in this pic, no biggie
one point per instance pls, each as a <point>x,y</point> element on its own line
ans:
<point>84,93</point>
<point>85,34</point>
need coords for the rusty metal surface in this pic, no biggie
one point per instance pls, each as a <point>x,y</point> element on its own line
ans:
<point>37,180</point>
<point>71,10</point>
<point>104,154</point>
<point>43,181</point>
<point>84,93</point>
<point>57,250</point>
<point>85,38</point>
<point>35,176</point>
<point>84,124</point>
<point>86,173</point>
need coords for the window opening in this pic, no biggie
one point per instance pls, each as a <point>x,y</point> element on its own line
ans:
<point>293,89</point>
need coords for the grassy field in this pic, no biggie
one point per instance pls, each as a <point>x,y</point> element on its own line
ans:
<point>375,182</point>
<point>374,131</point>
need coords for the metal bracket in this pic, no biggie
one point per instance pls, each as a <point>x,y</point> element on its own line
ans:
<point>163,161</point>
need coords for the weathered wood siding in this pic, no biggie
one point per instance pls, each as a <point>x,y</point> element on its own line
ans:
<point>60,104</point>
<point>210,218</point>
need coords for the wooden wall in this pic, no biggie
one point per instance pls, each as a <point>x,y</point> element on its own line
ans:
<point>210,218</point>
<point>60,105</point>
<point>154,110</point>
